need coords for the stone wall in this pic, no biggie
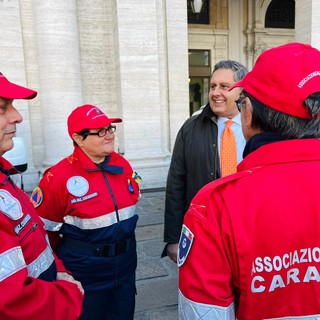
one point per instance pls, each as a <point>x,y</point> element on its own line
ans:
<point>129,58</point>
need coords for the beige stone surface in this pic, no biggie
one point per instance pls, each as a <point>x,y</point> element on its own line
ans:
<point>131,59</point>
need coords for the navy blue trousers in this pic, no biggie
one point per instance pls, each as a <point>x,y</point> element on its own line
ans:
<point>115,304</point>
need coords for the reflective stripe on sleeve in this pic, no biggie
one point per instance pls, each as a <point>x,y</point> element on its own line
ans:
<point>11,261</point>
<point>189,309</point>
<point>50,225</point>
<point>102,221</point>
<point>41,263</point>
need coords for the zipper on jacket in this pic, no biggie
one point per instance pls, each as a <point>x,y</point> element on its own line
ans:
<point>33,228</point>
<point>215,154</point>
<point>112,195</point>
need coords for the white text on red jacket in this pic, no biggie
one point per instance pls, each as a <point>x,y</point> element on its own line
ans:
<point>271,273</point>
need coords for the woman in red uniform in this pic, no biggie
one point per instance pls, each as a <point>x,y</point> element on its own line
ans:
<point>88,203</point>
<point>31,285</point>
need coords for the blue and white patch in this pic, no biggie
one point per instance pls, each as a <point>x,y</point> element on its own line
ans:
<point>185,243</point>
<point>10,206</point>
<point>77,186</point>
<point>18,228</point>
<point>85,198</point>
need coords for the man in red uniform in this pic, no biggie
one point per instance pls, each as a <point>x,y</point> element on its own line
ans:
<point>29,285</point>
<point>250,244</point>
<point>88,203</point>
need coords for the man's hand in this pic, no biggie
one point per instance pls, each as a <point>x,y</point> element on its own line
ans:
<point>172,251</point>
<point>67,277</point>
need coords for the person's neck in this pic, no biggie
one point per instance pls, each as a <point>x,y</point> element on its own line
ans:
<point>261,139</point>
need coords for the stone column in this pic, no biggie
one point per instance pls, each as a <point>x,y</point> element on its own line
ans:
<point>59,73</point>
<point>14,66</point>
<point>307,22</point>
<point>177,65</point>
<point>236,39</point>
<point>98,54</point>
<point>137,45</point>
<point>152,74</point>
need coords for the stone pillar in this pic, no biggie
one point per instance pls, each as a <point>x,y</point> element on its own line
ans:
<point>151,42</point>
<point>178,65</point>
<point>15,67</point>
<point>98,53</point>
<point>236,39</point>
<point>59,73</point>
<point>137,44</point>
<point>31,120</point>
<point>307,22</point>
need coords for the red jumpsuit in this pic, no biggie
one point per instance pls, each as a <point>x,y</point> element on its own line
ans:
<point>90,214</point>
<point>250,245</point>
<point>28,269</point>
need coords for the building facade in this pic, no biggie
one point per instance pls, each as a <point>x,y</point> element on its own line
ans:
<point>132,59</point>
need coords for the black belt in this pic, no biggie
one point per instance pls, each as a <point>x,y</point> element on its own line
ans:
<point>99,249</point>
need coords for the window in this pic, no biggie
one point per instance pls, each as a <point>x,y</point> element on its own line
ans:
<point>280,14</point>
<point>199,78</point>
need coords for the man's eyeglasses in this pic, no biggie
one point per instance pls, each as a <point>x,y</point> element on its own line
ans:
<point>241,103</point>
<point>103,131</point>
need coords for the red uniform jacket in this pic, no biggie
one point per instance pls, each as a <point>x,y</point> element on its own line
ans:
<point>250,245</point>
<point>80,202</point>
<point>28,289</point>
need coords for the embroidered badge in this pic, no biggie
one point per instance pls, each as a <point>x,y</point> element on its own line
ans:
<point>87,197</point>
<point>77,186</point>
<point>10,206</point>
<point>36,197</point>
<point>18,228</point>
<point>185,243</point>
<point>137,179</point>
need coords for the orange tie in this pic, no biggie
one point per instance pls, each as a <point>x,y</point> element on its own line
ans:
<point>228,151</point>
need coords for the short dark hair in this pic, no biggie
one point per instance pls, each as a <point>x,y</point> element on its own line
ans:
<point>83,133</point>
<point>238,69</point>
<point>290,127</point>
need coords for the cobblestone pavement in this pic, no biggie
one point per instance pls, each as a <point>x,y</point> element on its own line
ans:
<point>156,278</point>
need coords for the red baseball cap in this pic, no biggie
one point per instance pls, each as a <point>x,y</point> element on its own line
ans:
<point>88,117</point>
<point>283,77</point>
<point>9,90</point>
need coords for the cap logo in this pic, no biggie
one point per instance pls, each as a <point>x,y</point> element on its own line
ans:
<point>307,78</point>
<point>98,111</point>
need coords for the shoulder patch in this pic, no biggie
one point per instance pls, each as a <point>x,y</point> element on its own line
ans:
<point>185,243</point>
<point>10,206</point>
<point>36,197</point>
